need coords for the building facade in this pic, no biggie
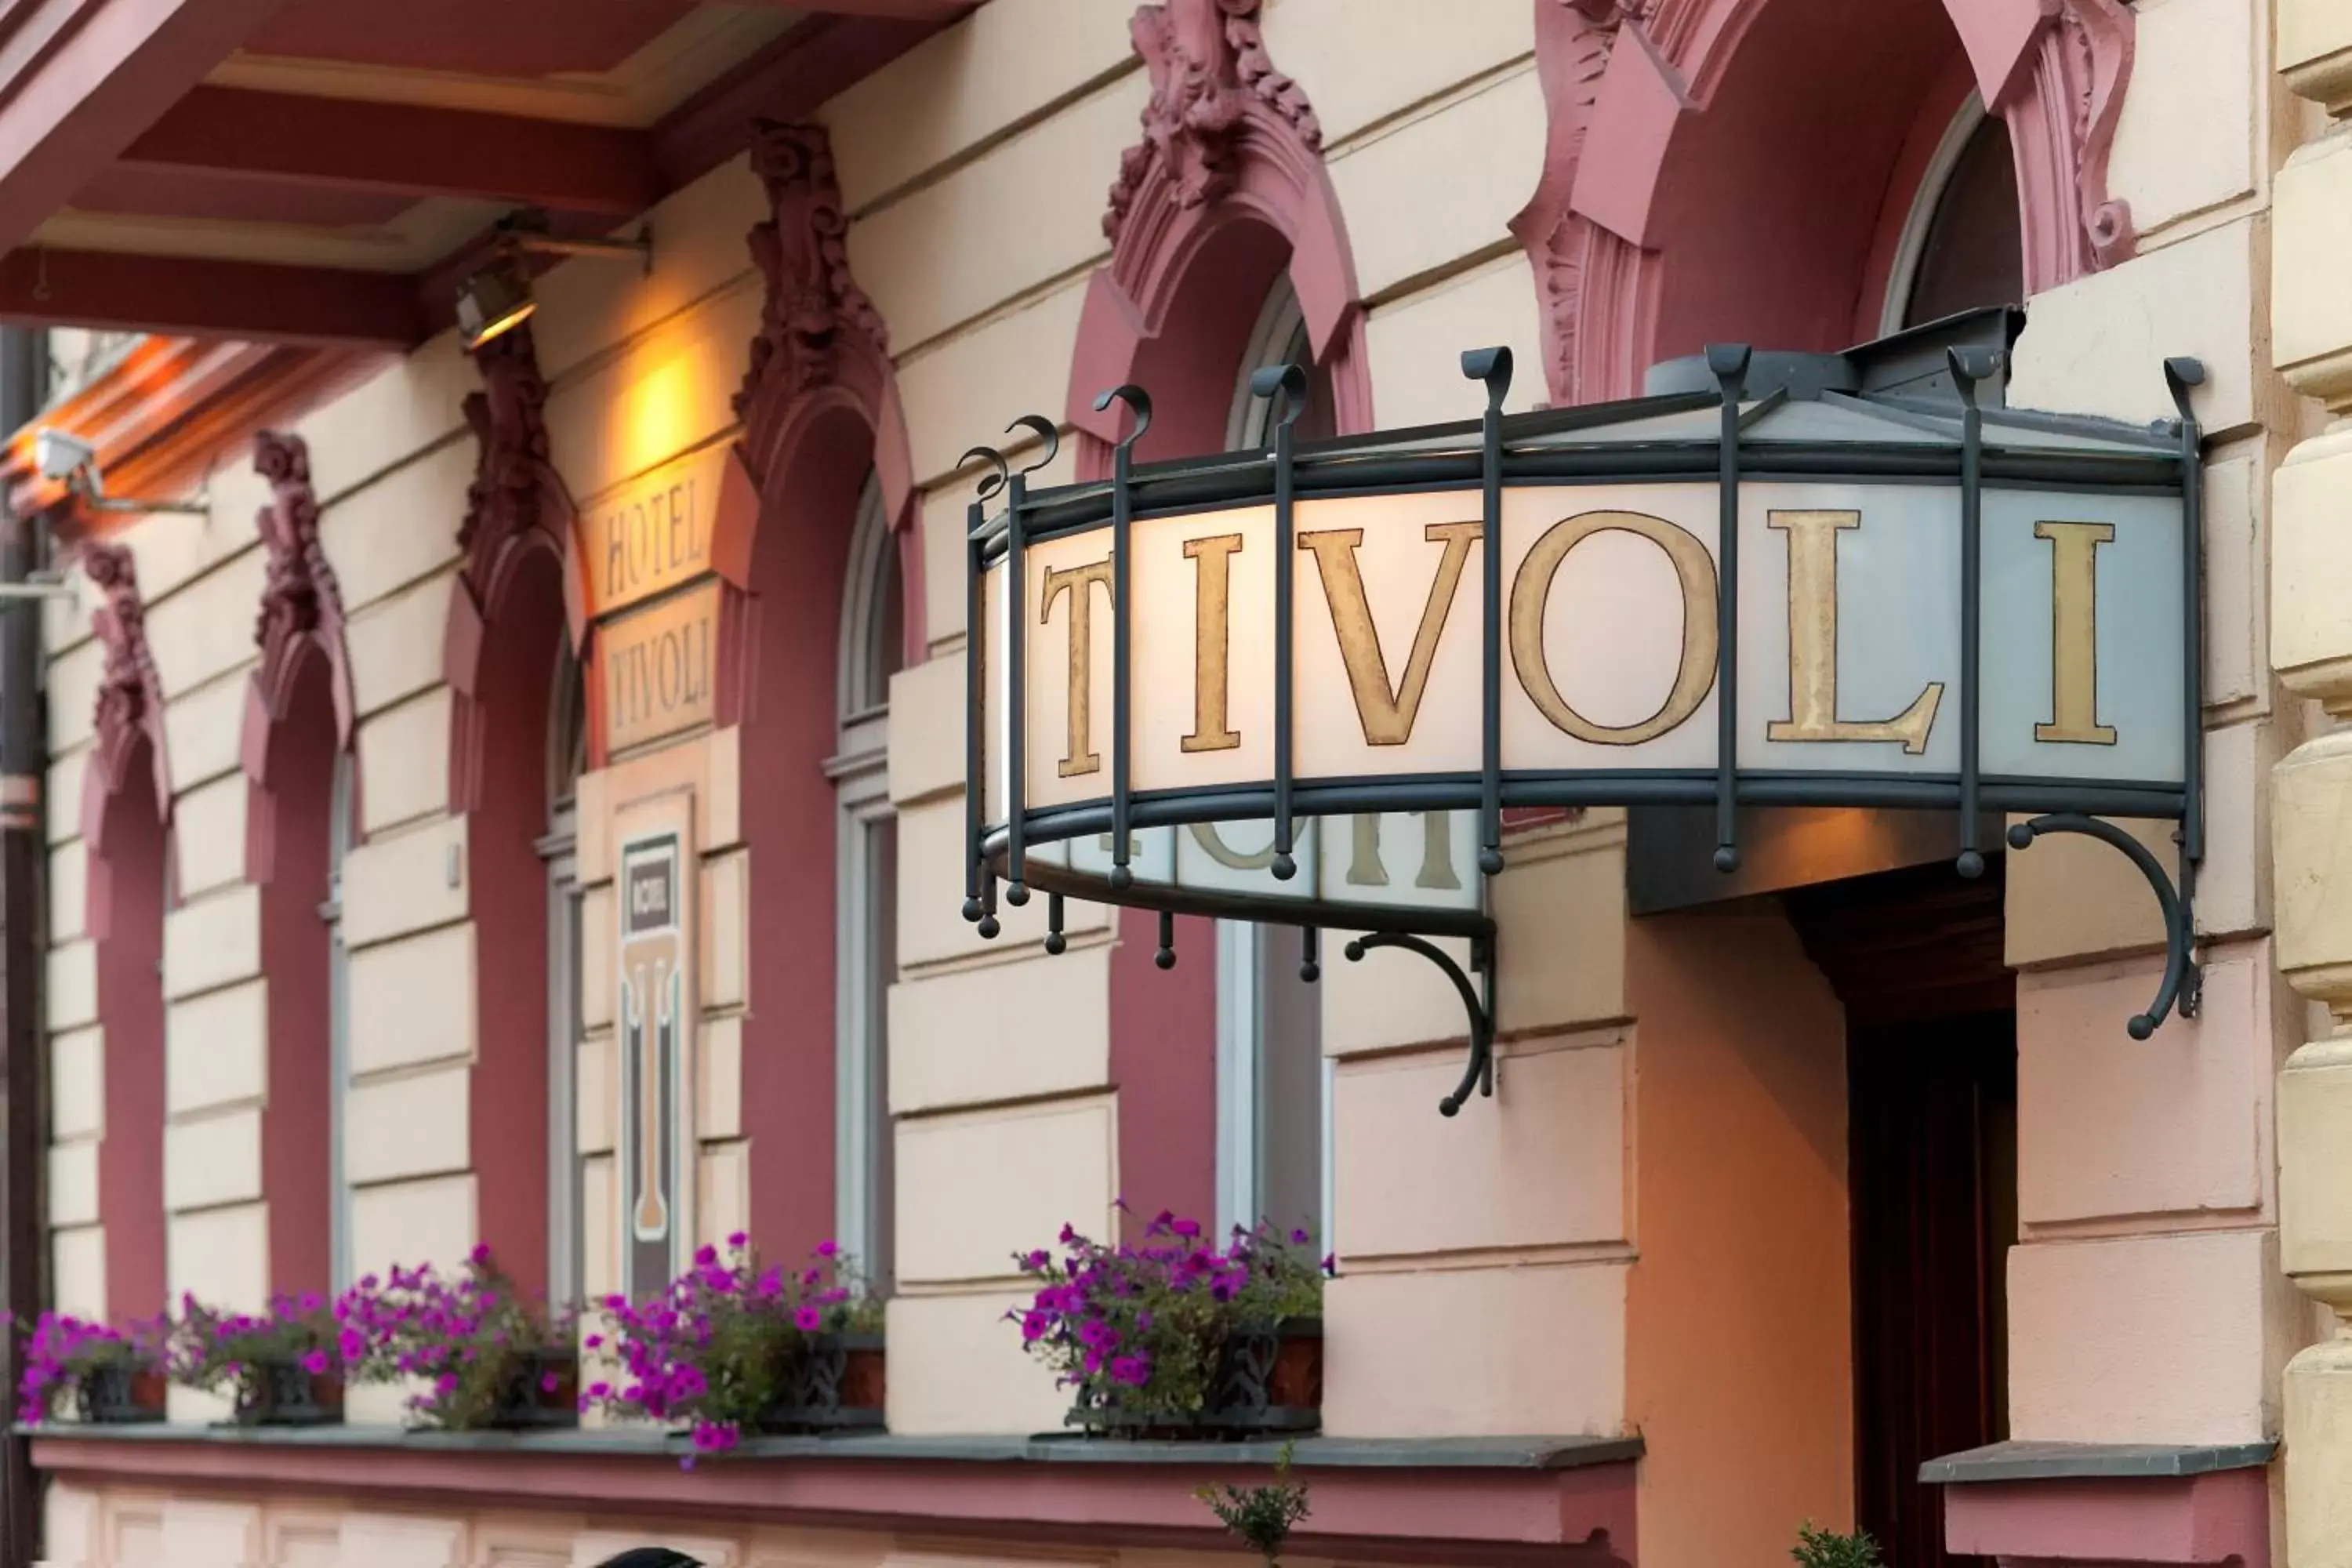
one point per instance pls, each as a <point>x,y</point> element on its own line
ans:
<point>1833,1190</point>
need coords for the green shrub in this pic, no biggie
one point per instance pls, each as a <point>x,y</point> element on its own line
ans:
<point>1819,1548</point>
<point>1261,1518</point>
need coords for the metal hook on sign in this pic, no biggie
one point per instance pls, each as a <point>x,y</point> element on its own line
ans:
<point>1043,428</point>
<point>1492,366</point>
<point>1283,378</point>
<point>1138,403</point>
<point>992,482</point>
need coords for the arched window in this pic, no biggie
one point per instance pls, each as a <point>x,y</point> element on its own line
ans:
<point>1272,1147</point>
<point>127,895</point>
<point>516,1100</point>
<point>304,790</point>
<point>567,758</point>
<point>873,647</point>
<point>1963,244</point>
<point>343,812</point>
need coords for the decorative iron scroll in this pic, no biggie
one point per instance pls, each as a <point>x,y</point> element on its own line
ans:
<point>1775,586</point>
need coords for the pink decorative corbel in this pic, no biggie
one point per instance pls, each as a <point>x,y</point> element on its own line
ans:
<point>129,706</point>
<point>2063,101</point>
<point>1226,138</point>
<point>814,313</point>
<point>822,348</point>
<point>2056,70</point>
<point>301,605</point>
<point>1574,42</point>
<point>1210,70</point>
<point>516,505</point>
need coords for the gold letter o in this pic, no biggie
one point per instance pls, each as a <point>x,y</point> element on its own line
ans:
<point>1694,569</point>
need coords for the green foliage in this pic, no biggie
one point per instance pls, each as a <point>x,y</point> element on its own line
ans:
<point>225,1353</point>
<point>1261,1518</point>
<point>1819,1548</point>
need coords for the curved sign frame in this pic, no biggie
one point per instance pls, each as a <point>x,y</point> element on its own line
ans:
<point>1231,686</point>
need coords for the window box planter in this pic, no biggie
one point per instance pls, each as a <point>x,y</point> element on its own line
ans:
<point>282,1391</point>
<point>120,1395</point>
<point>540,1393</point>
<point>1268,1380</point>
<point>836,1385</point>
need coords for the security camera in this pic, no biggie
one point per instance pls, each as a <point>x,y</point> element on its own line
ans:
<point>62,455</point>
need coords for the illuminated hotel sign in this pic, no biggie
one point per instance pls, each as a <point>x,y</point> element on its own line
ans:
<point>1720,597</point>
<point>647,566</point>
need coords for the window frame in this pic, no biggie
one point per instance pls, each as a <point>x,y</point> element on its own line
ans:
<point>1926,201</point>
<point>558,850</point>
<point>1244,948</point>
<point>863,1144</point>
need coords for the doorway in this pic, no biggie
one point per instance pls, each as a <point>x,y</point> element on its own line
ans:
<point>1931,1075</point>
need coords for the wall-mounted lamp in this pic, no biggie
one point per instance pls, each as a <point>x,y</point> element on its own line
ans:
<point>73,462</point>
<point>498,297</point>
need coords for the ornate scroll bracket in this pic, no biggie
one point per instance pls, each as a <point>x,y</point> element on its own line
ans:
<point>2183,981</point>
<point>1477,996</point>
<point>1478,1001</point>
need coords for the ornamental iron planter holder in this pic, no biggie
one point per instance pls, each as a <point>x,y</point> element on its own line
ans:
<point>1742,420</point>
<point>837,1383</point>
<point>525,1403</point>
<point>120,1394</point>
<point>1268,1380</point>
<point>284,1393</point>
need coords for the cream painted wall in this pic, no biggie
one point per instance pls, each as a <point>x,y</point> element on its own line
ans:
<point>1435,128</point>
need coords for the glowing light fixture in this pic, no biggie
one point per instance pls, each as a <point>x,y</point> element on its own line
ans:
<point>497,299</point>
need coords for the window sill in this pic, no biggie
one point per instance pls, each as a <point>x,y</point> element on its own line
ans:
<point>2091,1461</point>
<point>2107,1502</point>
<point>1411,1498</point>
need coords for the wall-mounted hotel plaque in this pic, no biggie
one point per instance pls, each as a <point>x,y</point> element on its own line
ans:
<point>1198,686</point>
<point>654,1019</point>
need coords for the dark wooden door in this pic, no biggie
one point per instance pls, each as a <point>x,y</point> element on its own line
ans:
<point>1931,1169</point>
<point>1932,1175</point>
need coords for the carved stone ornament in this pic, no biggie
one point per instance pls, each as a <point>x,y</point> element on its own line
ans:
<point>300,593</point>
<point>130,691</point>
<point>302,604</point>
<point>511,473</point>
<point>2064,124</point>
<point>1209,72</point>
<point>814,309</point>
<point>1574,41</point>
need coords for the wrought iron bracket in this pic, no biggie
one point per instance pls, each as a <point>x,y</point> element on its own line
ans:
<point>2183,981</point>
<point>1476,1001</point>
